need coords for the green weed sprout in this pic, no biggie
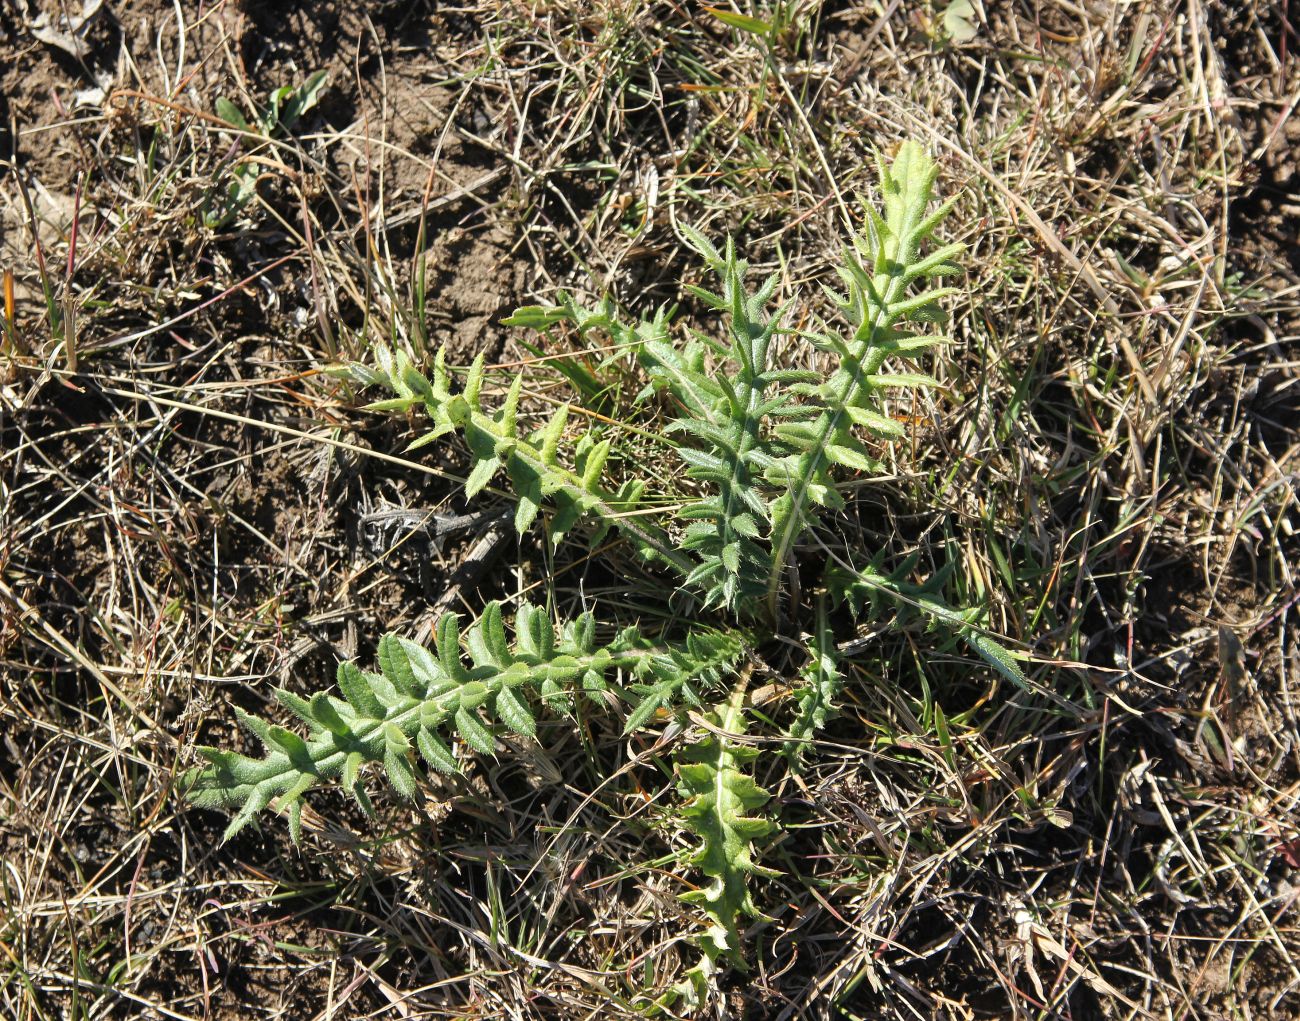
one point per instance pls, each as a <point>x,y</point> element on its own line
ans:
<point>764,448</point>
<point>283,109</point>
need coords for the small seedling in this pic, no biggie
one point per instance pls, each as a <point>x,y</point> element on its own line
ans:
<point>276,119</point>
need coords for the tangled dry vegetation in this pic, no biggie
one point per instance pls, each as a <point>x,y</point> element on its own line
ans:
<point>197,224</point>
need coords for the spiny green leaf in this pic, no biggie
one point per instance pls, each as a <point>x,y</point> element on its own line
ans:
<point>448,645</point>
<point>823,681</point>
<point>352,770</point>
<point>512,711</point>
<point>396,666</point>
<point>476,735</point>
<point>358,692</point>
<point>719,804</point>
<point>292,745</point>
<point>877,301</point>
<point>297,705</point>
<point>480,475</point>
<point>645,709</point>
<point>382,718</point>
<point>880,424</point>
<point>327,716</point>
<point>996,656</point>
<point>400,774</point>
<point>436,753</point>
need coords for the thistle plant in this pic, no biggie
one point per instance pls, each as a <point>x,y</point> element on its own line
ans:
<point>763,449</point>
<point>880,307</point>
<point>418,696</point>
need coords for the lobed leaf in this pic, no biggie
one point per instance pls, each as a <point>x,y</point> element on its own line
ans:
<point>719,806</point>
<point>387,717</point>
